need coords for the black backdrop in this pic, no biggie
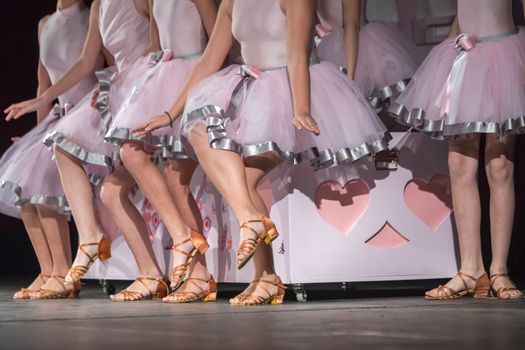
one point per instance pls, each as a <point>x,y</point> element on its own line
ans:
<point>18,21</point>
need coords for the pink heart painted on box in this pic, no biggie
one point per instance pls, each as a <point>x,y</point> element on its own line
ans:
<point>342,206</point>
<point>430,201</point>
<point>387,237</point>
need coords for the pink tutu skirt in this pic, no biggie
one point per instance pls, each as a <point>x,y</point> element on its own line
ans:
<point>28,174</point>
<point>252,116</point>
<point>153,92</point>
<point>479,90</point>
<point>81,132</point>
<point>386,59</point>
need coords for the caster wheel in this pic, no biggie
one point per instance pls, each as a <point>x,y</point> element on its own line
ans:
<point>300,293</point>
<point>107,288</point>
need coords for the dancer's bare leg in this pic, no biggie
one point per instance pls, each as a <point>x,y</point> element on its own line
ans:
<point>227,172</point>
<point>154,186</point>
<point>80,198</point>
<point>178,174</point>
<point>463,159</point>
<point>115,196</point>
<point>38,240</point>
<point>499,165</point>
<point>56,229</point>
<point>256,169</point>
<point>238,188</point>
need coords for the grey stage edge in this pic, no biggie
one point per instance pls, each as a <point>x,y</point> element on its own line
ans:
<point>92,321</point>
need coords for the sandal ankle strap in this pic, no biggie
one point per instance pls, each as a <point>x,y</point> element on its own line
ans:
<point>60,280</point>
<point>159,280</point>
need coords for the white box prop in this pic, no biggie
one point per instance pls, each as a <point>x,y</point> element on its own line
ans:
<point>343,224</point>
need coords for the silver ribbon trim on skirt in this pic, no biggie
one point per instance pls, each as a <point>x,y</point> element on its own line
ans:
<point>57,202</point>
<point>59,140</point>
<point>216,120</point>
<point>105,77</point>
<point>170,146</point>
<point>439,130</point>
<point>380,98</point>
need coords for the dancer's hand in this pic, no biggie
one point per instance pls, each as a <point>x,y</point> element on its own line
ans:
<point>153,124</point>
<point>305,120</point>
<point>17,110</point>
<point>15,139</point>
<point>94,97</point>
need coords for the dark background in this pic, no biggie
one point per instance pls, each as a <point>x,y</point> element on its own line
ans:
<point>18,25</point>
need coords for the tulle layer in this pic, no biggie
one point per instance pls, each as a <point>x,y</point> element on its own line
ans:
<point>386,59</point>
<point>153,93</point>
<point>489,98</point>
<point>28,174</point>
<point>258,118</point>
<point>81,132</point>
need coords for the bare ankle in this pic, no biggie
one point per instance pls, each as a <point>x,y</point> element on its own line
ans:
<point>265,275</point>
<point>472,269</point>
<point>498,270</point>
<point>150,273</point>
<point>91,237</point>
<point>249,215</point>
<point>46,272</point>
<point>60,271</point>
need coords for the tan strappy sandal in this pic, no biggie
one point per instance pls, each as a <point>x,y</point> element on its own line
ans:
<point>71,291</point>
<point>200,245</point>
<point>76,272</point>
<point>130,295</point>
<point>497,293</point>
<point>249,245</point>
<point>189,296</point>
<point>480,291</point>
<point>272,299</point>
<point>23,293</point>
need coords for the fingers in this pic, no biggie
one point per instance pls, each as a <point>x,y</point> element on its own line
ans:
<point>10,111</point>
<point>13,114</point>
<point>17,110</point>
<point>307,123</point>
<point>141,130</point>
<point>297,124</point>
<point>21,112</point>
<point>312,126</point>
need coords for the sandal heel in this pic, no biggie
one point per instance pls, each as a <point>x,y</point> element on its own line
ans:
<point>482,288</point>
<point>271,230</point>
<point>200,243</point>
<point>104,249</point>
<point>75,291</point>
<point>279,297</point>
<point>161,292</point>
<point>210,297</point>
<point>212,294</point>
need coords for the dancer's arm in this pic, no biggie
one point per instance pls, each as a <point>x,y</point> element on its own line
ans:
<point>300,26</point>
<point>84,66</point>
<point>145,8</point>
<point>351,24</point>
<point>208,13</point>
<point>216,51</point>
<point>44,82</point>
